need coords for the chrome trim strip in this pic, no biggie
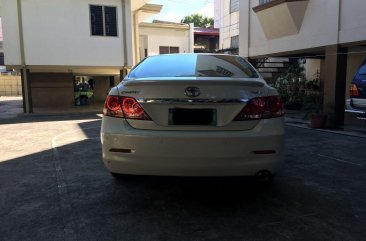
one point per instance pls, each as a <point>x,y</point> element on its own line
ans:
<point>355,111</point>
<point>193,101</point>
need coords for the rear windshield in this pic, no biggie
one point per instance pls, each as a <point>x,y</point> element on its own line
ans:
<point>192,65</point>
<point>362,70</point>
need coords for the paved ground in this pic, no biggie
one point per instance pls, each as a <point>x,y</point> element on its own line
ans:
<point>10,106</point>
<point>53,186</point>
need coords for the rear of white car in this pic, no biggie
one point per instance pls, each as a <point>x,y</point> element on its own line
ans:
<point>193,115</point>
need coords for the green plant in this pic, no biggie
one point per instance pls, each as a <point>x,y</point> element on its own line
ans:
<point>291,86</point>
<point>313,102</point>
<point>198,20</point>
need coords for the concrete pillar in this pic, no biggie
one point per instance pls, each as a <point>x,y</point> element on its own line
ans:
<point>335,73</point>
<point>191,38</point>
<point>26,91</point>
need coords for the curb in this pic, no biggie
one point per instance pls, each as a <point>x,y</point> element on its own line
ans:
<point>344,133</point>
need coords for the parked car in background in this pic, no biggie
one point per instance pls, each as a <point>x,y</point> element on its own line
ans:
<point>356,104</point>
<point>193,115</point>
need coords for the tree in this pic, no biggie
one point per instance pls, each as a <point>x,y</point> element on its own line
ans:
<point>198,20</point>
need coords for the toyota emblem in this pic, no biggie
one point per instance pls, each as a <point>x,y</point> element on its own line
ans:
<point>192,91</point>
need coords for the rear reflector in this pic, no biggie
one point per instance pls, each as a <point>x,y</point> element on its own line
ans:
<point>121,150</point>
<point>353,91</point>
<point>127,107</point>
<point>261,108</point>
<point>264,152</point>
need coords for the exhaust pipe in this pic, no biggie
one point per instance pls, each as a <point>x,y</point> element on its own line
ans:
<point>264,176</point>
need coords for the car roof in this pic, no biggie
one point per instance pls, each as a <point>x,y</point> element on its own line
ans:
<point>197,54</point>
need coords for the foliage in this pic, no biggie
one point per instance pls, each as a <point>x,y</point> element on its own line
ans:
<point>291,86</point>
<point>198,20</point>
<point>313,102</point>
<point>297,93</point>
<point>313,99</point>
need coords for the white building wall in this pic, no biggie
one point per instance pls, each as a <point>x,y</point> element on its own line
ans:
<point>320,27</point>
<point>58,33</point>
<point>217,13</point>
<point>11,45</point>
<point>155,37</point>
<point>229,23</point>
<point>353,21</point>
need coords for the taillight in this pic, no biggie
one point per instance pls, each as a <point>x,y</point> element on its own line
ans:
<point>132,109</point>
<point>353,91</point>
<point>112,106</point>
<point>261,108</point>
<point>127,107</point>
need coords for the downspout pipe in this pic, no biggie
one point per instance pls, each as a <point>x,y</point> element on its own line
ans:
<point>124,36</point>
<point>26,89</point>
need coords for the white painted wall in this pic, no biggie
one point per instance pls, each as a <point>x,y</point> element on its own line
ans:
<point>319,27</point>
<point>312,68</point>
<point>1,30</point>
<point>58,33</point>
<point>217,13</point>
<point>11,46</point>
<point>156,36</point>
<point>229,23</point>
<point>353,21</point>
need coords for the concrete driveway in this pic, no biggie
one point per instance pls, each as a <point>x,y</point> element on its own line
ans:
<point>53,186</point>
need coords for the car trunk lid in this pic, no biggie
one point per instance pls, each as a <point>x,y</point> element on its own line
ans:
<point>171,105</point>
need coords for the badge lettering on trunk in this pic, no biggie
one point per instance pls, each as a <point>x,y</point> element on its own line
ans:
<point>192,91</point>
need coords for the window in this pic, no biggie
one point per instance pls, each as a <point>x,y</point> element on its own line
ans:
<point>234,42</point>
<point>1,59</point>
<point>234,6</point>
<point>168,50</point>
<point>264,1</point>
<point>193,65</point>
<point>103,20</point>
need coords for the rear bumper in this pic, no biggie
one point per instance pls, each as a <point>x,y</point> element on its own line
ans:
<point>360,113</point>
<point>192,153</point>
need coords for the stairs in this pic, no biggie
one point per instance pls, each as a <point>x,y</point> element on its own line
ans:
<point>270,68</point>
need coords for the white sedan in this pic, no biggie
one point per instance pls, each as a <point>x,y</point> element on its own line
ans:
<point>193,115</point>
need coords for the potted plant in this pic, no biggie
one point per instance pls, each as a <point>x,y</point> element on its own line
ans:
<point>314,102</point>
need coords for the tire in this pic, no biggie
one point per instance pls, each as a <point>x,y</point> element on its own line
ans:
<point>265,178</point>
<point>122,177</point>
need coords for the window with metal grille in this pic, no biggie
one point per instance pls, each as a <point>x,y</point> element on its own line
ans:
<point>234,6</point>
<point>2,59</point>
<point>234,41</point>
<point>168,50</point>
<point>103,20</point>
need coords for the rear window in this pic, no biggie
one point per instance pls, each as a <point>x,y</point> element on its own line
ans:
<point>192,65</point>
<point>362,70</point>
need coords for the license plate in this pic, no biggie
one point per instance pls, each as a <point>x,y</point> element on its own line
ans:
<point>181,116</point>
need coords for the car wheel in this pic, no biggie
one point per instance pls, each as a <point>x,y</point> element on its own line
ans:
<point>122,177</point>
